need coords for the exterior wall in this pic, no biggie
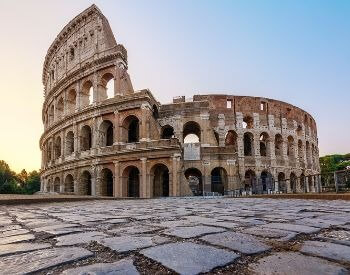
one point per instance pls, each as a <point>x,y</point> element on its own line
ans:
<point>214,118</point>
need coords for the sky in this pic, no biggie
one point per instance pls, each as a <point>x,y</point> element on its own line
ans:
<point>295,51</point>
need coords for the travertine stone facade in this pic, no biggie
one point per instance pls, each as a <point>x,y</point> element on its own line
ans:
<point>119,142</point>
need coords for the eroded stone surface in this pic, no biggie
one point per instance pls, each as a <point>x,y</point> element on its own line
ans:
<point>189,258</point>
<point>290,263</point>
<point>192,231</point>
<point>293,227</point>
<point>78,238</point>
<point>41,259</point>
<point>327,250</point>
<point>244,243</point>
<point>122,267</point>
<point>129,243</point>
<point>17,238</point>
<point>7,249</point>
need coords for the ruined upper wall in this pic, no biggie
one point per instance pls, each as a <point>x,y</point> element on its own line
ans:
<point>247,106</point>
<point>84,38</point>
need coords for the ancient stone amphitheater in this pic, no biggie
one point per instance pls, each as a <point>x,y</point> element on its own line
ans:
<point>102,138</point>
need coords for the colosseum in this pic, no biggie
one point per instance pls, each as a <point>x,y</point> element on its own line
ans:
<point>103,138</point>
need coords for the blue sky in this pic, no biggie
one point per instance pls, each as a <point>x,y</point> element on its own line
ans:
<point>295,51</point>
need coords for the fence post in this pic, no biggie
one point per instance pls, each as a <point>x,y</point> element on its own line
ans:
<point>336,182</point>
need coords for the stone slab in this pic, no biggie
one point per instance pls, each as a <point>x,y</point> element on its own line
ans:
<point>290,263</point>
<point>41,259</point>
<point>293,227</point>
<point>243,243</point>
<point>7,249</point>
<point>338,236</point>
<point>192,231</point>
<point>130,243</point>
<point>317,222</point>
<point>14,232</point>
<point>270,233</point>
<point>189,258</point>
<point>16,239</point>
<point>122,267</point>
<point>134,229</point>
<point>79,238</point>
<point>327,250</point>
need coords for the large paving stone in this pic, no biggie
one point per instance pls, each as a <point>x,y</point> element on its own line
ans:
<point>16,239</point>
<point>133,229</point>
<point>7,249</point>
<point>337,236</point>
<point>327,250</point>
<point>41,259</point>
<point>129,243</point>
<point>293,227</point>
<point>290,263</point>
<point>79,238</point>
<point>271,233</point>
<point>10,227</point>
<point>14,232</point>
<point>122,267</point>
<point>189,258</point>
<point>317,222</point>
<point>244,243</point>
<point>192,231</point>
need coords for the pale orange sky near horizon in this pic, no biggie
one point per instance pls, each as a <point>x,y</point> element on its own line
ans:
<point>182,48</point>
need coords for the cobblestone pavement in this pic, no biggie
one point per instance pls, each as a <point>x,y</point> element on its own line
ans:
<point>177,235</point>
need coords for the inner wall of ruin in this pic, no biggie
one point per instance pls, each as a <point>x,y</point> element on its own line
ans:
<point>101,137</point>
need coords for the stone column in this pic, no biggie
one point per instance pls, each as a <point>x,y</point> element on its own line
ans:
<point>117,181</point>
<point>175,191</point>
<point>143,186</point>
<point>145,131</point>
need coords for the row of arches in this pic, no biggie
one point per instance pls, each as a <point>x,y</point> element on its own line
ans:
<point>71,100</point>
<point>130,134</point>
<point>130,179</point>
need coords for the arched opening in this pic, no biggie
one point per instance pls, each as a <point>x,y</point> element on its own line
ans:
<point>132,177</point>
<point>86,138</point>
<point>51,114</point>
<point>69,184</point>
<point>49,186</point>
<point>56,185</point>
<point>278,145</point>
<point>248,122</point>
<point>191,132</point>
<point>217,138</point>
<point>87,94</point>
<point>59,108</point>
<point>71,101</point>
<point>69,143</point>
<point>106,133</point>
<point>293,182</point>
<point>58,149</point>
<point>308,158</point>
<point>155,112</point>
<point>86,184</point>
<point>219,180</point>
<point>107,82</point>
<point>106,182</point>
<point>248,140</point>
<point>299,131</point>
<point>264,144</point>
<point>231,140</point>
<point>160,174</point>
<point>282,186</point>
<point>131,129</point>
<point>249,180</point>
<point>195,182</point>
<point>49,151</point>
<point>300,151</point>
<point>167,132</point>
<point>266,182</point>
<point>302,183</point>
<point>290,148</point>
<point>310,183</point>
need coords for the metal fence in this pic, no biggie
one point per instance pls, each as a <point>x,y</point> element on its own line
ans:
<point>338,182</point>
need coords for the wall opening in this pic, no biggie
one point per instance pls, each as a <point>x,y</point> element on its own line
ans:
<point>195,182</point>
<point>69,184</point>
<point>248,140</point>
<point>264,144</point>
<point>278,145</point>
<point>106,182</point>
<point>160,175</point>
<point>106,133</point>
<point>219,180</point>
<point>191,132</point>
<point>86,183</point>
<point>167,132</point>
<point>69,143</point>
<point>86,138</point>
